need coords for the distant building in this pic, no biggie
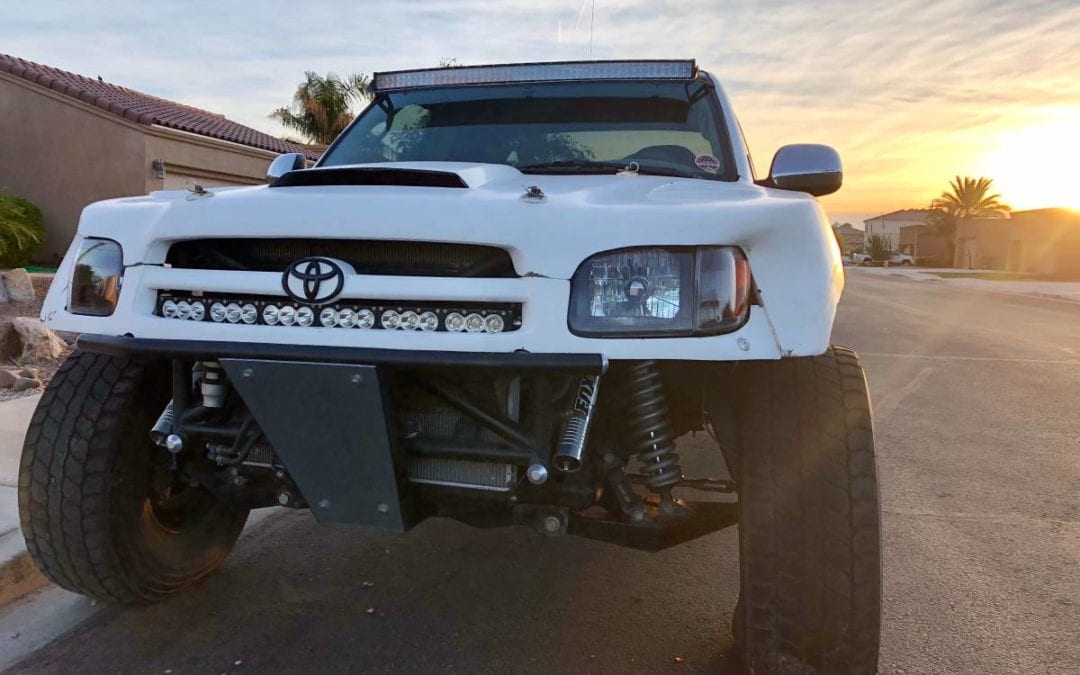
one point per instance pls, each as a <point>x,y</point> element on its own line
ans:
<point>888,225</point>
<point>982,243</point>
<point>850,237</point>
<point>1045,241</point>
<point>68,140</point>
<point>1041,241</point>
<point>924,244</point>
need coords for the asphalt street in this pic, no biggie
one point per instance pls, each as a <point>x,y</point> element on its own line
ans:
<point>977,413</point>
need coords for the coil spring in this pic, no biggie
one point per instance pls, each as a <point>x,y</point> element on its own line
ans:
<point>577,422</point>
<point>651,435</point>
<point>573,435</point>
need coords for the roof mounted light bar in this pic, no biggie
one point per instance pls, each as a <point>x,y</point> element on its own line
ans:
<point>536,72</point>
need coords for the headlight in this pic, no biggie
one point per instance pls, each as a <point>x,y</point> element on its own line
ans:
<point>663,292</point>
<point>95,281</point>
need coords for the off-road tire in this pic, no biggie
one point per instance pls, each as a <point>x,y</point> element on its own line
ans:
<point>84,482</point>
<point>809,521</point>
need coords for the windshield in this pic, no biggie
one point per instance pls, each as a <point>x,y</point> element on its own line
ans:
<point>666,128</point>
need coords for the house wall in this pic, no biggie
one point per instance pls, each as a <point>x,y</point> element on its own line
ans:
<point>983,243</point>
<point>909,235</point>
<point>1046,241</point>
<point>890,225</point>
<point>62,155</point>
<point>921,242</point>
<point>852,242</point>
<point>884,228</point>
<point>851,239</point>
<point>209,162</point>
<point>931,250</point>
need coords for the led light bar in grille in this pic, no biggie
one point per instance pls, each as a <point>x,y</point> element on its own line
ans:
<point>537,72</point>
<point>426,317</point>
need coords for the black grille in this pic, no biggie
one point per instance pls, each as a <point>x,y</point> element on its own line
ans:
<point>401,258</point>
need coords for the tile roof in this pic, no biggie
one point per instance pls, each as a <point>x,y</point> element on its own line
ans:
<point>146,109</point>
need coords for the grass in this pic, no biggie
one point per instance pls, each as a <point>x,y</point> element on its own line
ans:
<point>38,268</point>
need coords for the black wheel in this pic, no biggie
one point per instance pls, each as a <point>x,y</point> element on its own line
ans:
<point>98,508</point>
<point>809,523</point>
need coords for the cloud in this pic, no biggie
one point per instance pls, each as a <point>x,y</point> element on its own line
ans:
<point>907,90</point>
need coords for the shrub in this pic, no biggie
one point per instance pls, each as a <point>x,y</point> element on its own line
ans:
<point>21,231</point>
<point>879,246</point>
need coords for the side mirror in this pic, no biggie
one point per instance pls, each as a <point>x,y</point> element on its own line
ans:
<point>283,164</point>
<point>806,167</point>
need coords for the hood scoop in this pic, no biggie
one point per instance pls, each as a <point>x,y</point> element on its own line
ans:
<point>362,175</point>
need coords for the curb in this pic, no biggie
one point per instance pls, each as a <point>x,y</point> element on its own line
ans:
<point>19,576</point>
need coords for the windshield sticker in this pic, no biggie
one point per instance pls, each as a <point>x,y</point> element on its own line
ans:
<point>707,163</point>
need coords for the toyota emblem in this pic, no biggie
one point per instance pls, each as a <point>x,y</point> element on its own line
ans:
<point>315,281</point>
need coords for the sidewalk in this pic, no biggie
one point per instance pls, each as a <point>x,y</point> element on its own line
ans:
<point>17,572</point>
<point>1056,290</point>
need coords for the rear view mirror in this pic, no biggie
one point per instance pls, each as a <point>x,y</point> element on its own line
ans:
<point>283,164</point>
<point>806,167</point>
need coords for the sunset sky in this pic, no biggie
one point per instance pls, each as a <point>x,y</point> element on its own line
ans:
<point>910,92</point>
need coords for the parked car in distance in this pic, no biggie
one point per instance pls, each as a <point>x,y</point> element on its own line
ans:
<point>895,258</point>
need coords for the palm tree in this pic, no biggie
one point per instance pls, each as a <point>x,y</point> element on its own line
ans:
<point>322,106</point>
<point>968,198</point>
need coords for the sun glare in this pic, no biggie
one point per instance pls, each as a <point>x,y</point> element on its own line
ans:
<point>1035,166</point>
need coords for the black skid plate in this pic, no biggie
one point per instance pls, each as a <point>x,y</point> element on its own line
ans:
<point>329,425</point>
<point>655,534</point>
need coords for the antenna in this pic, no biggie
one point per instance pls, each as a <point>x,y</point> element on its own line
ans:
<point>592,20</point>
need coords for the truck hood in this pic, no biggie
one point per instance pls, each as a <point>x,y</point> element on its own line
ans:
<point>579,214</point>
<point>794,259</point>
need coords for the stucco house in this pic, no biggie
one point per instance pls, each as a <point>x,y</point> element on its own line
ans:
<point>67,140</point>
<point>982,243</point>
<point>850,238</point>
<point>889,224</point>
<point>1039,241</point>
<point>1046,241</point>
<point>924,244</point>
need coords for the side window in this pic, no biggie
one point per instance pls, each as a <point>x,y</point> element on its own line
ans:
<point>749,158</point>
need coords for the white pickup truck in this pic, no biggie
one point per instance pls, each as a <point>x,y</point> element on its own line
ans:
<point>895,258</point>
<point>501,295</point>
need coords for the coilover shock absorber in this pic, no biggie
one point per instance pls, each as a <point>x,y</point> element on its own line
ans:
<point>652,437</point>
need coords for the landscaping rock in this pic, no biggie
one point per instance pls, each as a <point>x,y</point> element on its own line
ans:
<point>38,342</point>
<point>10,344</point>
<point>19,286</point>
<point>7,378</point>
<point>32,373</point>
<point>24,383</point>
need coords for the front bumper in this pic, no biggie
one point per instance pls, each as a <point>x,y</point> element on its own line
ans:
<point>196,350</point>
<point>544,327</point>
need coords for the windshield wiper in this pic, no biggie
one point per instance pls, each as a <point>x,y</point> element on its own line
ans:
<point>592,166</point>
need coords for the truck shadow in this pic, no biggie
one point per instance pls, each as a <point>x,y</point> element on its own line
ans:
<point>298,597</point>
